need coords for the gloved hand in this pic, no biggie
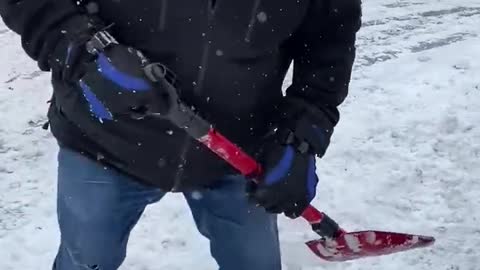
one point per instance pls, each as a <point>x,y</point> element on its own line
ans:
<point>116,80</point>
<point>289,181</point>
<point>122,81</point>
<point>64,52</point>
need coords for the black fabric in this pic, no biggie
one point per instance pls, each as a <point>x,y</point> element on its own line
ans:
<point>308,127</point>
<point>322,69</point>
<point>116,100</point>
<point>65,51</point>
<point>214,2</point>
<point>231,64</point>
<point>38,23</point>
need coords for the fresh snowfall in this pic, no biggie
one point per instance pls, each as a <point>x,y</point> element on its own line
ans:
<point>405,156</point>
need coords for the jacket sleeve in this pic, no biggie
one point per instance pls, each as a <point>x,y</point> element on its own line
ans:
<point>34,19</point>
<point>323,50</point>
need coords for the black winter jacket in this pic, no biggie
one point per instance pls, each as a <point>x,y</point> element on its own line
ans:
<point>231,58</point>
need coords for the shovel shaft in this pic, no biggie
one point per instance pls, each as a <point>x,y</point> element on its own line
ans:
<point>320,222</point>
<point>201,130</point>
<point>345,246</point>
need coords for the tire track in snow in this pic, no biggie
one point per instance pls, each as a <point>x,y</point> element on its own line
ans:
<point>384,39</point>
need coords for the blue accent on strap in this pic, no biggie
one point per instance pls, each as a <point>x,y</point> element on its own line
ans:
<point>69,54</point>
<point>282,167</point>
<point>312,179</point>
<point>96,106</point>
<point>124,80</point>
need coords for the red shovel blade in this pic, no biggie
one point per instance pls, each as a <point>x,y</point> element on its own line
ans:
<point>354,245</point>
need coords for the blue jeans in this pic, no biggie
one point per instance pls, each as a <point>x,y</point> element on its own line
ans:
<point>98,207</point>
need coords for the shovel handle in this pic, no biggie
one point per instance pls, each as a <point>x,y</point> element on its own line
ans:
<point>248,167</point>
<point>198,128</point>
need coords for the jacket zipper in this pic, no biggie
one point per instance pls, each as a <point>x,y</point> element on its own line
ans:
<point>163,15</point>
<point>198,88</point>
<point>212,5</point>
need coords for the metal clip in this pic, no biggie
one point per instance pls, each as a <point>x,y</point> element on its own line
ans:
<point>100,41</point>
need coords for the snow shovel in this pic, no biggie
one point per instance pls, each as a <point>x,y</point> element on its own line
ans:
<point>335,243</point>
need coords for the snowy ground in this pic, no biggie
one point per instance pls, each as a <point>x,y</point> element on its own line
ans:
<point>405,156</point>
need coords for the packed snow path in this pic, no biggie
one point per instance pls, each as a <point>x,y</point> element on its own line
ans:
<point>405,156</point>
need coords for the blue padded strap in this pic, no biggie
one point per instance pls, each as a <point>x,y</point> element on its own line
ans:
<point>69,54</point>
<point>96,106</point>
<point>124,80</point>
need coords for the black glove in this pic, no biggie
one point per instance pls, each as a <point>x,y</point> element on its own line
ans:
<point>289,181</point>
<point>122,81</point>
<point>64,52</point>
<point>115,80</point>
<point>288,158</point>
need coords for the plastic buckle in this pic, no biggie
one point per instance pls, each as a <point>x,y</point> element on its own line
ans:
<point>288,137</point>
<point>303,147</point>
<point>100,41</point>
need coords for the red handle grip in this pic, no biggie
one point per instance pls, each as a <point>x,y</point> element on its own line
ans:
<point>247,166</point>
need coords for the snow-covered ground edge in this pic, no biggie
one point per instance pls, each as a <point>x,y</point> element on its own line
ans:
<point>405,156</point>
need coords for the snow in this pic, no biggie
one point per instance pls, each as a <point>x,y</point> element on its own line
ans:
<point>404,157</point>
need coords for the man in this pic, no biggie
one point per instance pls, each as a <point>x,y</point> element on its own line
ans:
<point>230,58</point>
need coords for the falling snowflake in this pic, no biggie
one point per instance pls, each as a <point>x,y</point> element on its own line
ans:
<point>262,17</point>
